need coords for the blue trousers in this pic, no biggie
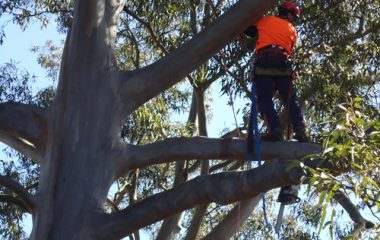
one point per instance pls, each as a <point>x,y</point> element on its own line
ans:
<point>267,85</point>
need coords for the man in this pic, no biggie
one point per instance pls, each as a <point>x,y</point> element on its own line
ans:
<point>276,38</point>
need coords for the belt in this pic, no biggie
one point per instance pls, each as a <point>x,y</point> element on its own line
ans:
<point>273,48</point>
<point>262,71</point>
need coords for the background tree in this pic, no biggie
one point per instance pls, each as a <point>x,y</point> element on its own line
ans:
<point>150,30</point>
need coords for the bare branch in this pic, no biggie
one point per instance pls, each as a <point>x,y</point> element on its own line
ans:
<point>226,228</point>
<point>23,121</point>
<point>148,26</point>
<point>176,149</point>
<point>222,188</point>
<point>175,66</point>
<point>360,222</point>
<point>15,201</point>
<point>113,206</point>
<point>25,196</point>
<point>357,35</point>
<point>22,147</point>
<point>171,226</point>
<point>196,221</point>
<point>200,210</point>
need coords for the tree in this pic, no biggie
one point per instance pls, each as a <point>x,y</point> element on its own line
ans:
<point>77,139</point>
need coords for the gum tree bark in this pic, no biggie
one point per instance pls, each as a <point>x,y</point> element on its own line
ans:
<point>199,211</point>
<point>77,139</point>
<point>227,228</point>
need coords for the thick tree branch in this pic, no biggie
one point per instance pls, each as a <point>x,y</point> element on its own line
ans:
<point>21,146</point>
<point>20,191</point>
<point>176,149</point>
<point>354,213</point>
<point>227,227</point>
<point>15,201</point>
<point>221,188</point>
<point>24,122</point>
<point>196,222</point>
<point>142,85</point>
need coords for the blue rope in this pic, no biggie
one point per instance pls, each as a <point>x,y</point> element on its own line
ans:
<point>255,129</point>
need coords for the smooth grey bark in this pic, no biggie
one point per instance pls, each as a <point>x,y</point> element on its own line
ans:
<point>232,222</point>
<point>182,148</point>
<point>222,188</point>
<point>23,147</point>
<point>23,121</point>
<point>196,221</point>
<point>83,127</point>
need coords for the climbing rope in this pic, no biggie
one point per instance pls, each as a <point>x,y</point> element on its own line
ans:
<point>255,132</point>
<point>250,150</point>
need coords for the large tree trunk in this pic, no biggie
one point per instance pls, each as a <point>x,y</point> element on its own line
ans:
<point>75,178</point>
<point>82,130</point>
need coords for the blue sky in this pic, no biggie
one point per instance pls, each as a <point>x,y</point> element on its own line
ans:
<point>17,45</point>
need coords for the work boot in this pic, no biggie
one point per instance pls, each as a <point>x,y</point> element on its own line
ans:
<point>273,136</point>
<point>301,135</point>
<point>289,195</point>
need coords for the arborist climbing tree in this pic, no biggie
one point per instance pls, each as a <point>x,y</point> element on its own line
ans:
<point>276,37</point>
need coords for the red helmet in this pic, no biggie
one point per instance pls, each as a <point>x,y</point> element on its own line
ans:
<point>291,7</point>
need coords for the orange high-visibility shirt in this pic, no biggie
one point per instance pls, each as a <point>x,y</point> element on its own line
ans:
<point>275,31</point>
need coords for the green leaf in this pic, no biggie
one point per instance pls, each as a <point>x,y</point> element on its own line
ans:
<point>332,192</point>
<point>311,183</point>
<point>322,198</point>
<point>323,217</point>
<point>312,171</point>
